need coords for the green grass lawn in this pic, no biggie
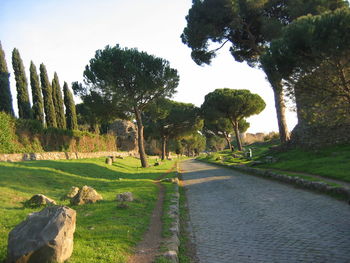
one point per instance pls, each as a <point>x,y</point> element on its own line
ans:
<point>104,233</point>
<point>332,162</point>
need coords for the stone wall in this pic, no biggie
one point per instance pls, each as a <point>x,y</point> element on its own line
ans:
<point>18,157</point>
<point>314,137</point>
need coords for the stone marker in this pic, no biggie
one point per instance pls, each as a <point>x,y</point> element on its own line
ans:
<point>109,161</point>
<point>39,200</point>
<point>86,195</point>
<point>45,236</point>
<point>125,197</point>
<point>72,192</point>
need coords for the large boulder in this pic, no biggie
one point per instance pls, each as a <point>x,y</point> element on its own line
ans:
<point>45,236</point>
<point>39,200</point>
<point>86,195</point>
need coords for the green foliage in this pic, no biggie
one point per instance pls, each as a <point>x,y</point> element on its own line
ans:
<point>7,134</point>
<point>166,120</point>
<point>249,27</point>
<point>27,136</point>
<point>193,144</point>
<point>113,232</point>
<point>234,105</point>
<point>5,91</point>
<point>58,102</point>
<point>127,80</point>
<point>24,109</point>
<point>50,115</point>
<point>313,57</point>
<point>38,103</point>
<point>134,79</point>
<point>71,115</point>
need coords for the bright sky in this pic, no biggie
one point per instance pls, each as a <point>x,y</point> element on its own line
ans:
<point>64,35</point>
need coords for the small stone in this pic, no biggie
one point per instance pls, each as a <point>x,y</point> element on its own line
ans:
<point>72,192</point>
<point>171,255</point>
<point>109,161</point>
<point>86,195</point>
<point>125,197</point>
<point>39,200</point>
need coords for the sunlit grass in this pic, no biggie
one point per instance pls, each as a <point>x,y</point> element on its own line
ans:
<point>104,233</point>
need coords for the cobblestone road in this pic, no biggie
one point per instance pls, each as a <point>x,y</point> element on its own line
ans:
<point>241,218</point>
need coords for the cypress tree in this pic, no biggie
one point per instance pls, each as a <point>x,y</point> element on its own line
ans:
<point>58,102</point>
<point>49,108</point>
<point>38,104</point>
<point>24,110</point>
<point>5,91</point>
<point>71,115</point>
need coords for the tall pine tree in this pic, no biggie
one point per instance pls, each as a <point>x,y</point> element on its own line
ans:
<point>49,108</point>
<point>58,102</point>
<point>38,104</point>
<point>71,115</point>
<point>5,91</point>
<point>24,110</point>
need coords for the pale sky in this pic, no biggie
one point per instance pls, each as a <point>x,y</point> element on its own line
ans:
<point>64,35</point>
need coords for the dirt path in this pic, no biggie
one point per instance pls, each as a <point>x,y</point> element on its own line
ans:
<point>147,250</point>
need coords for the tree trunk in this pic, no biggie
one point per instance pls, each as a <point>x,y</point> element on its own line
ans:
<point>140,139</point>
<point>238,138</point>
<point>276,84</point>
<point>228,141</point>
<point>164,143</point>
<point>281,113</point>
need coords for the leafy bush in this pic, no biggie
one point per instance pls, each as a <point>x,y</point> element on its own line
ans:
<point>22,135</point>
<point>8,137</point>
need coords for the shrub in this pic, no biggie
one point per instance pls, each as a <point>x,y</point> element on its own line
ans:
<point>20,136</point>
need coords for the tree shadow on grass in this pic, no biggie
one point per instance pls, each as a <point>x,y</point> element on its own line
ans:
<point>97,170</point>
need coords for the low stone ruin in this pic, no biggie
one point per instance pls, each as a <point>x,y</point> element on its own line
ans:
<point>45,236</point>
<point>126,133</point>
<point>86,195</point>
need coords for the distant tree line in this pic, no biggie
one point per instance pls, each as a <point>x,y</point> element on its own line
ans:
<point>49,106</point>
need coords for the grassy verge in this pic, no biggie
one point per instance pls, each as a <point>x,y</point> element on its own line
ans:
<point>332,162</point>
<point>104,233</point>
<point>186,249</point>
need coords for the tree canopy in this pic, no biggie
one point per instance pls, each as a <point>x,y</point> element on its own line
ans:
<point>234,105</point>
<point>71,115</point>
<point>5,91</point>
<point>50,115</point>
<point>249,26</point>
<point>58,102</point>
<point>167,119</point>
<point>24,109</point>
<point>129,80</point>
<point>38,103</point>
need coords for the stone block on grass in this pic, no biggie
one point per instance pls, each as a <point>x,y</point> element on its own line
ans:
<point>45,236</point>
<point>86,195</point>
<point>39,200</point>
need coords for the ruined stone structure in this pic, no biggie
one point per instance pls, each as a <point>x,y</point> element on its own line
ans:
<point>126,133</point>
